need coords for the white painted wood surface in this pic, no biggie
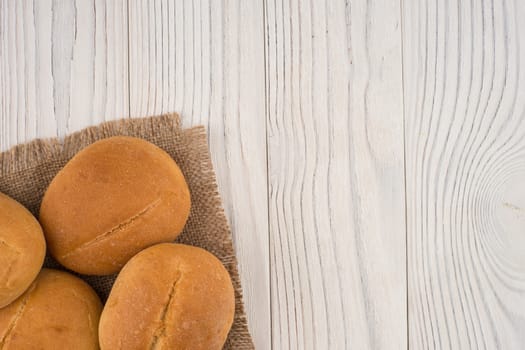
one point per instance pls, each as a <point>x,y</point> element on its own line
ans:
<point>324,119</point>
<point>63,66</point>
<point>465,173</point>
<point>335,135</point>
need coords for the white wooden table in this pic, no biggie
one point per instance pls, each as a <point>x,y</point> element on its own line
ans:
<point>370,154</point>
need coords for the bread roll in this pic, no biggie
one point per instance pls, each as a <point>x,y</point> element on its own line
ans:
<point>113,199</point>
<point>169,296</point>
<point>22,249</point>
<point>58,311</point>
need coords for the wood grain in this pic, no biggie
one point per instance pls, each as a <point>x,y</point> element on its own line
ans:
<point>465,165</point>
<point>205,60</point>
<point>63,66</point>
<point>335,134</point>
<point>317,111</point>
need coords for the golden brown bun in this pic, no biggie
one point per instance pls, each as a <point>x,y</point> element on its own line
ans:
<point>22,249</point>
<point>113,199</point>
<point>58,311</point>
<point>169,296</point>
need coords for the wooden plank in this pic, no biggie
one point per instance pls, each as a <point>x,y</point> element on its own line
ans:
<point>63,66</point>
<point>465,165</point>
<point>205,60</point>
<point>337,216</point>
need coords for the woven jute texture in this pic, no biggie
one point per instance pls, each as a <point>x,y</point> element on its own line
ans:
<point>26,170</point>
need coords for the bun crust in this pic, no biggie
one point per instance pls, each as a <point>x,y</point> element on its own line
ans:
<point>169,296</point>
<point>22,249</point>
<point>58,311</point>
<point>114,198</point>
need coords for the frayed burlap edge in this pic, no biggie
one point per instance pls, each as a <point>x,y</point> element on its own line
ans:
<point>193,149</point>
<point>30,154</point>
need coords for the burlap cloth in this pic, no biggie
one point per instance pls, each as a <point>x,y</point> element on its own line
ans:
<point>26,170</point>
